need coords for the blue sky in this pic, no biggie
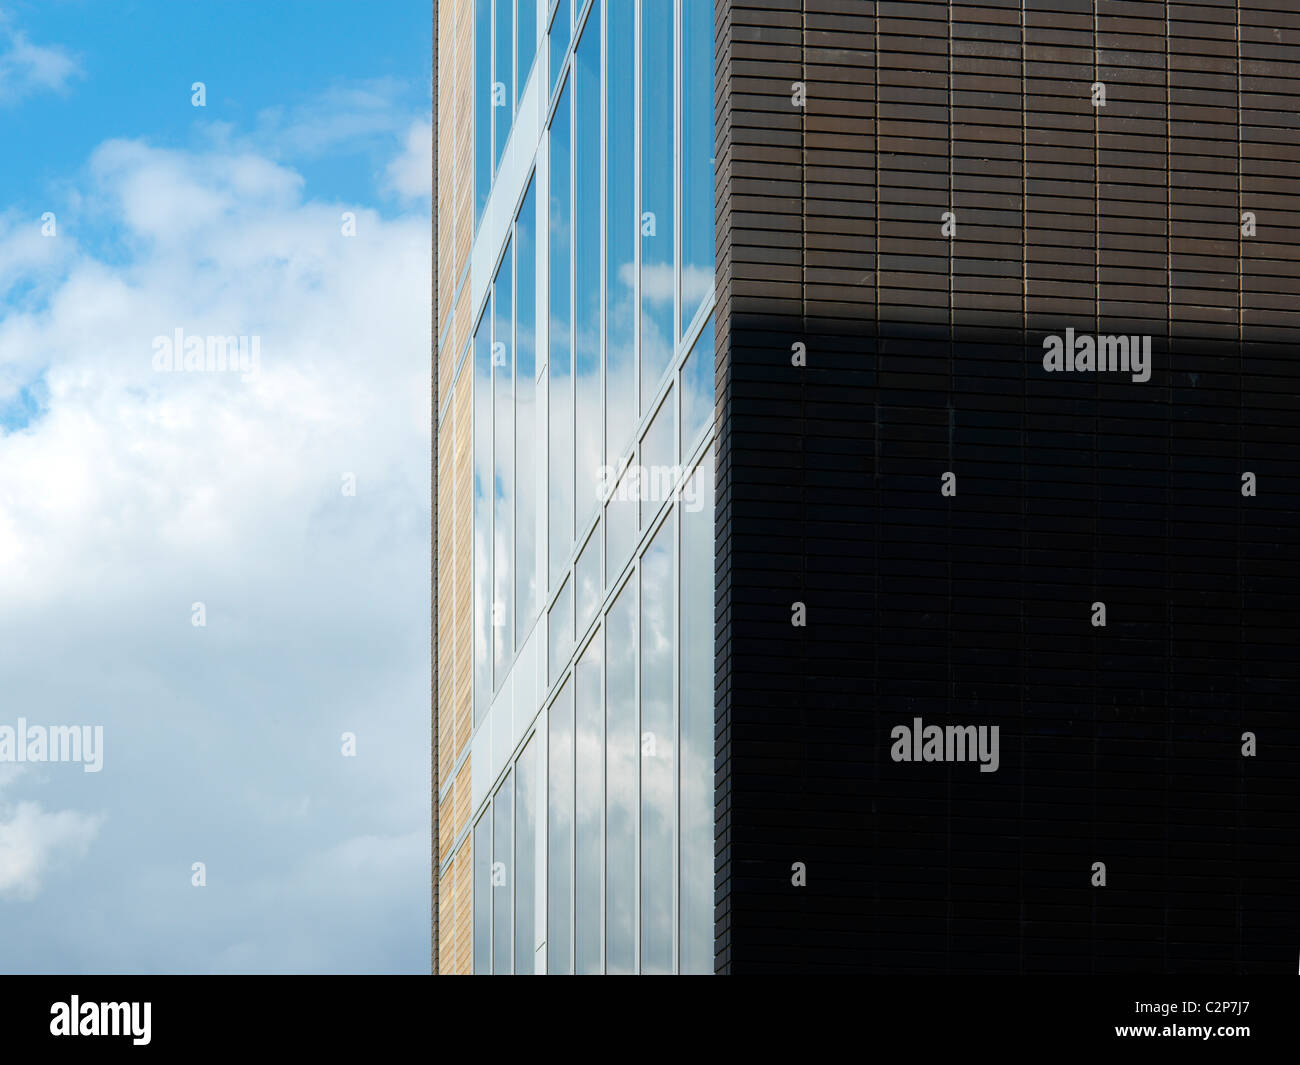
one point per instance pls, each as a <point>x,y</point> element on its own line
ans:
<point>263,63</point>
<point>129,495</point>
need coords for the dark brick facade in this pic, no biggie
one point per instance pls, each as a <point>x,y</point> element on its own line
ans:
<point>1121,744</point>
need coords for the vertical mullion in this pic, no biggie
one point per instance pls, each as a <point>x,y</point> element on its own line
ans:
<point>571,466</point>
<point>573,825</point>
<point>514,445</point>
<point>513,864</point>
<point>636,745</point>
<point>601,339</point>
<point>542,864</point>
<point>677,724</point>
<point>636,211</point>
<point>542,365</point>
<point>490,639</point>
<point>676,75</point>
<point>598,537</point>
<point>492,108</point>
<point>604,789</point>
<point>636,446</point>
<point>679,75</point>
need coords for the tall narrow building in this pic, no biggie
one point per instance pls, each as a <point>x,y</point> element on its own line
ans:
<point>867,486</point>
<point>575,486</point>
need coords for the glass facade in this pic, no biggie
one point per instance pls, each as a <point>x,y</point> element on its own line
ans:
<point>560,370</point>
<point>658,193</point>
<point>505,44</point>
<point>592,369</point>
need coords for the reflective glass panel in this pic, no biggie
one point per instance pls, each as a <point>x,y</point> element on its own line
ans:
<point>586,267</point>
<point>587,826</point>
<point>559,836</point>
<point>502,878</point>
<point>527,593</point>
<point>483,895</point>
<point>525,857</point>
<point>697,388</point>
<point>620,525</point>
<point>503,478</point>
<point>587,579</point>
<point>658,745</point>
<point>697,157</point>
<point>656,222</point>
<point>559,40</point>
<point>526,22</point>
<point>658,474</point>
<point>503,86</point>
<point>482,516</point>
<point>560,632</point>
<point>561,377</point>
<point>620,786</point>
<point>482,104</point>
<point>697,582</point>
<point>620,230</point>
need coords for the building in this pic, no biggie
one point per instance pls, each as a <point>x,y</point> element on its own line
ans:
<point>866,486</point>
<point>575,281</point>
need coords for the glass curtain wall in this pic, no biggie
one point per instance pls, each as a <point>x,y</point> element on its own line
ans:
<point>505,44</point>
<point>506,868</point>
<point>507,489</point>
<point>600,440</point>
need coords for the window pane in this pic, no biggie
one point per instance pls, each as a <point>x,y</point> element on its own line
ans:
<point>657,470</point>
<point>502,878</point>
<point>620,230</point>
<point>482,104</point>
<point>527,26</point>
<point>482,516</point>
<point>697,582</point>
<point>503,477</point>
<point>587,579</point>
<point>559,836</point>
<point>697,388</point>
<point>620,782</point>
<point>658,741</point>
<point>559,40</point>
<point>586,267</point>
<point>483,896</point>
<point>525,857</point>
<point>560,633</point>
<point>587,826</point>
<point>620,525</point>
<point>527,594</point>
<point>656,223</point>
<point>503,91</point>
<point>697,157</point>
<point>561,382</point>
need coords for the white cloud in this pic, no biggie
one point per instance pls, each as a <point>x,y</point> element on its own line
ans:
<point>343,115</point>
<point>27,68</point>
<point>410,175</point>
<point>32,840</point>
<point>173,196</point>
<point>138,493</point>
<point>25,255</point>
